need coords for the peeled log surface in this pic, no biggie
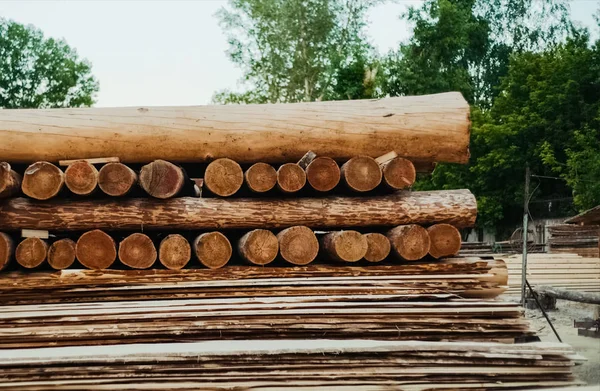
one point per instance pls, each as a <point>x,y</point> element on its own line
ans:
<point>10,181</point>
<point>345,246</point>
<point>116,179</point>
<point>6,250</point>
<point>81,177</point>
<point>161,179</point>
<point>96,250</point>
<point>323,173</point>
<point>261,177</point>
<point>42,181</point>
<point>361,173</point>
<point>298,245</point>
<point>445,240</point>
<point>174,252</point>
<point>399,173</point>
<point>259,247</point>
<point>31,252</point>
<point>378,247</point>
<point>410,242</point>
<point>137,251</point>
<point>212,249</point>
<point>61,254</point>
<point>456,207</point>
<point>290,178</point>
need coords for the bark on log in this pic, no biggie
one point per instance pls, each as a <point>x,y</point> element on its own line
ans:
<point>161,179</point>
<point>445,240</point>
<point>81,178</point>
<point>398,173</point>
<point>298,245</point>
<point>261,177</point>
<point>361,173</point>
<point>10,181</point>
<point>31,252</point>
<point>323,173</point>
<point>259,247</point>
<point>378,247</point>
<point>563,294</point>
<point>223,177</point>
<point>212,249</point>
<point>6,250</point>
<point>345,246</point>
<point>96,250</point>
<point>61,254</point>
<point>428,128</point>
<point>116,179</point>
<point>456,207</point>
<point>410,242</point>
<point>174,252</point>
<point>290,178</point>
<point>42,181</point>
<point>137,251</point>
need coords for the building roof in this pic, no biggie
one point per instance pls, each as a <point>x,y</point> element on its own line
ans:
<point>590,216</point>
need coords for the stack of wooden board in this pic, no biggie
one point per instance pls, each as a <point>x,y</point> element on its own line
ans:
<point>574,239</point>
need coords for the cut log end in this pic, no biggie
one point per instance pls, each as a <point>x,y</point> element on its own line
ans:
<point>259,247</point>
<point>261,177</point>
<point>6,250</point>
<point>399,173</point>
<point>378,247</point>
<point>298,245</point>
<point>445,240</point>
<point>362,173</point>
<point>42,181</point>
<point>410,242</point>
<point>61,254</point>
<point>290,178</point>
<point>116,179</point>
<point>137,251</point>
<point>223,177</point>
<point>10,181</point>
<point>323,174</point>
<point>96,250</point>
<point>174,252</point>
<point>31,252</point>
<point>161,179</point>
<point>213,249</point>
<point>81,177</point>
<point>346,246</point>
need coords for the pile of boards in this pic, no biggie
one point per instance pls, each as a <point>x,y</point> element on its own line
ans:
<point>574,239</point>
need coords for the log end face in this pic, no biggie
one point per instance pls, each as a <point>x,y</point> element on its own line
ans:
<point>61,254</point>
<point>445,240</point>
<point>137,251</point>
<point>81,177</point>
<point>174,252</point>
<point>96,250</point>
<point>410,242</point>
<point>213,249</point>
<point>42,181</point>
<point>259,247</point>
<point>223,177</point>
<point>348,246</point>
<point>6,250</point>
<point>399,173</point>
<point>261,177</point>
<point>31,252</point>
<point>323,174</point>
<point>10,181</point>
<point>362,173</point>
<point>378,247</point>
<point>116,179</point>
<point>290,178</point>
<point>298,245</point>
<point>161,179</point>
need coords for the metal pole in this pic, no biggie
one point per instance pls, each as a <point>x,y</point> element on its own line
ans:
<point>525,226</point>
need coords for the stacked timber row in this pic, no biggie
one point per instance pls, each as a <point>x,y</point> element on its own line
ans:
<point>574,239</point>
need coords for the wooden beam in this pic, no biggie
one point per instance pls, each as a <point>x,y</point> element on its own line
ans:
<point>97,160</point>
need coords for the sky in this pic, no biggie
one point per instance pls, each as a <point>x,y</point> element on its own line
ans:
<point>157,53</point>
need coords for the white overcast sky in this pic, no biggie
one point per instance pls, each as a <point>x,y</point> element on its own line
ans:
<point>173,52</point>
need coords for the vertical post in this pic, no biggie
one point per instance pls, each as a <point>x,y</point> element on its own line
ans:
<point>525,228</point>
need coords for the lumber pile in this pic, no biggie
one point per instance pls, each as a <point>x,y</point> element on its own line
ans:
<point>575,239</point>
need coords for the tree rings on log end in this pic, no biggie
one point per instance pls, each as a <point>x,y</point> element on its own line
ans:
<point>290,178</point>
<point>362,173</point>
<point>346,246</point>
<point>116,179</point>
<point>6,250</point>
<point>174,252</point>
<point>61,254</point>
<point>399,173</point>
<point>261,177</point>
<point>81,177</point>
<point>410,242</point>
<point>42,181</point>
<point>445,240</point>
<point>298,245</point>
<point>259,247</point>
<point>10,181</point>
<point>96,250</point>
<point>213,249</point>
<point>323,174</point>
<point>31,252</point>
<point>378,247</point>
<point>223,177</point>
<point>137,251</point>
<point>161,179</point>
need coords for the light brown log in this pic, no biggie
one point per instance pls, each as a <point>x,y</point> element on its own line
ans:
<point>378,247</point>
<point>42,181</point>
<point>410,242</point>
<point>10,181</point>
<point>398,173</point>
<point>223,177</point>
<point>323,173</point>
<point>445,240</point>
<point>96,250</point>
<point>259,247</point>
<point>174,252</point>
<point>290,178</point>
<point>137,251</point>
<point>345,246</point>
<point>6,250</point>
<point>361,173</point>
<point>31,252</point>
<point>212,249</point>
<point>161,179</point>
<point>298,245</point>
<point>116,179</point>
<point>261,177</point>
<point>61,254</point>
<point>81,177</point>
<point>427,127</point>
<point>456,207</point>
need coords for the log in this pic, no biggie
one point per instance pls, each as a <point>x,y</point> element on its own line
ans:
<point>137,251</point>
<point>378,247</point>
<point>223,177</point>
<point>212,249</point>
<point>260,177</point>
<point>116,179</point>
<point>96,250</point>
<point>161,179</point>
<point>290,178</point>
<point>398,173</point>
<point>564,294</point>
<point>298,245</point>
<point>361,173</point>
<point>345,246</point>
<point>323,173</point>
<point>81,177</point>
<point>410,242</point>
<point>97,160</point>
<point>10,181</point>
<point>61,254</point>
<point>31,252</point>
<point>174,252</point>
<point>456,207</point>
<point>42,181</point>
<point>6,250</point>
<point>259,247</point>
<point>445,240</point>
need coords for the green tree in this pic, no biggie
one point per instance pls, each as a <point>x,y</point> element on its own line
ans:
<point>36,72</point>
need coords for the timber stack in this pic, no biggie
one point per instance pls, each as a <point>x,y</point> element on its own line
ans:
<point>291,224</point>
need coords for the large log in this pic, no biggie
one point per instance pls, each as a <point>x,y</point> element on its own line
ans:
<point>223,177</point>
<point>137,251</point>
<point>212,249</point>
<point>174,252</point>
<point>378,247</point>
<point>361,173</point>
<point>570,295</point>
<point>323,173</point>
<point>42,181</point>
<point>410,242</point>
<point>298,245</point>
<point>162,179</point>
<point>456,207</point>
<point>260,177</point>
<point>61,254</point>
<point>10,181</point>
<point>290,178</point>
<point>96,250</point>
<point>259,247</point>
<point>116,179</point>
<point>31,252</point>
<point>445,240</point>
<point>423,128</point>
<point>81,177</point>
<point>345,246</point>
